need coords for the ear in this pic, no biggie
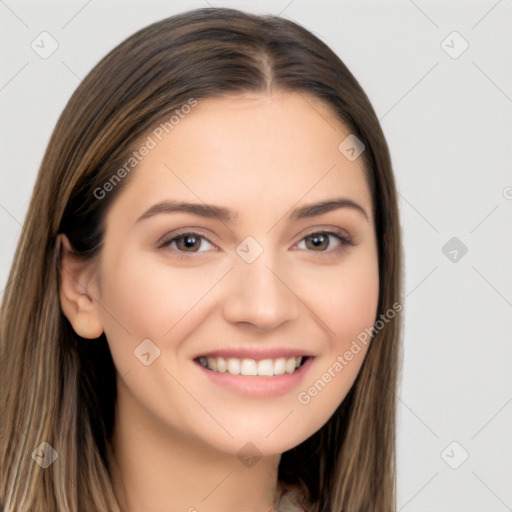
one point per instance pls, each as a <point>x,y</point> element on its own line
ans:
<point>78,292</point>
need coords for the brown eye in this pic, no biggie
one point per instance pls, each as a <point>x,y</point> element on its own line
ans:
<point>188,242</point>
<point>321,241</point>
<point>318,241</point>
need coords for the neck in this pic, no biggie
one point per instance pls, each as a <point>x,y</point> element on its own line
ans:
<point>160,469</point>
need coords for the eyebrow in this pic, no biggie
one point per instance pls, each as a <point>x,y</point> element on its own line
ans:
<point>227,215</point>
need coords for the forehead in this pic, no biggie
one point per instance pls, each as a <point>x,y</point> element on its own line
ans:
<point>248,152</point>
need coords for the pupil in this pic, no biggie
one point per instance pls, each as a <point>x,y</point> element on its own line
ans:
<point>189,241</point>
<point>318,240</point>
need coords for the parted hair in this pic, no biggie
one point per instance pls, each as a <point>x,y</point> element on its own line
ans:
<point>61,389</point>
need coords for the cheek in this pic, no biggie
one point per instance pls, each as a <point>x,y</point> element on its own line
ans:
<point>142,300</point>
<point>354,306</point>
<point>346,300</point>
<point>347,305</point>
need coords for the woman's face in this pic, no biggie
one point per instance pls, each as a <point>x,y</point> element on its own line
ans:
<point>247,278</point>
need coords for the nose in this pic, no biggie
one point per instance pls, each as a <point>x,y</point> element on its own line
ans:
<point>260,294</point>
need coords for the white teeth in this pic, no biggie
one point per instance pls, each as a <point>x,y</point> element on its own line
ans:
<point>280,366</point>
<point>248,367</point>
<point>222,367</point>
<point>266,367</point>
<point>251,367</point>
<point>290,365</point>
<point>234,366</point>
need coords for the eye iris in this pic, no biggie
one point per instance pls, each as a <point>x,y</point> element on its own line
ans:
<point>319,241</point>
<point>189,241</point>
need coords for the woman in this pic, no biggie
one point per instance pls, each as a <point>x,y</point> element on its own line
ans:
<point>203,311</point>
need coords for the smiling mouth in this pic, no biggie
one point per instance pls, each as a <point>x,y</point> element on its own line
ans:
<point>253,367</point>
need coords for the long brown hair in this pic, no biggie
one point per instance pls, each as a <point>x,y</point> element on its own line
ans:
<point>60,389</point>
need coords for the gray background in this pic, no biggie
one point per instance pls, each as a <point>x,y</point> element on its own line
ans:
<point>448,121</point>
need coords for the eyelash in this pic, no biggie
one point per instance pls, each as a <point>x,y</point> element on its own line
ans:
<point>344,241</point>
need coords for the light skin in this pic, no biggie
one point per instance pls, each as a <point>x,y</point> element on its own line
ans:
<point>177,434</point>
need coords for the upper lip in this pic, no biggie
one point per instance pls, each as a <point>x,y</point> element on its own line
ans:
<point>256,353</point>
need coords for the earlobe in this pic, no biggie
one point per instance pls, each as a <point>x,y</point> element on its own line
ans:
<point>77,291</point>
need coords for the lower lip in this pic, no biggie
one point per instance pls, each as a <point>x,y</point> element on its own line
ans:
<point>259,386</point>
